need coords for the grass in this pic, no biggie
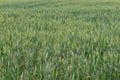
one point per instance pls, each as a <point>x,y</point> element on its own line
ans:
<point>60,40</point>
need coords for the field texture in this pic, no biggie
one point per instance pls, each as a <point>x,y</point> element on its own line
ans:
<point>59,40</point>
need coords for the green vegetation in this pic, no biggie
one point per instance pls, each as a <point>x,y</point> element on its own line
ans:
<point>59,40</point>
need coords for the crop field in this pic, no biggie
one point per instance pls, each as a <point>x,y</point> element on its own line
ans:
<point>59,40</point>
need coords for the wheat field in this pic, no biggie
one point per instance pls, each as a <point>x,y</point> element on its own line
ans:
<point>59,39</point>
